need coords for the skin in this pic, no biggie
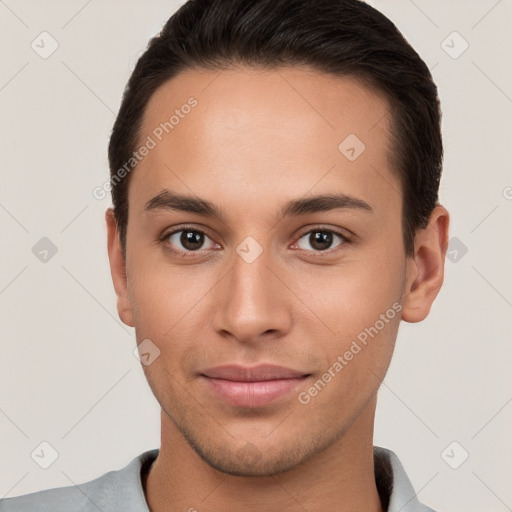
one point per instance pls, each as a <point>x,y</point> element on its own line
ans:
<point>256,140</point>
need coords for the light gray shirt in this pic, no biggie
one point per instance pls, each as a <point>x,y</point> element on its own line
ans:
<point>121,490</point>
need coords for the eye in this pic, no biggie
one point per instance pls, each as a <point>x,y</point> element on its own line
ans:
<point>321,240</point>
<point>188,240</point>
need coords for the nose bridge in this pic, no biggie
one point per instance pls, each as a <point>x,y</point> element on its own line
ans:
<point>250,277</point>
<point>253,301</point>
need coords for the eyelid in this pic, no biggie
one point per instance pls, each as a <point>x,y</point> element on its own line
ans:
<point>343,233</point>
<point>197,228</point>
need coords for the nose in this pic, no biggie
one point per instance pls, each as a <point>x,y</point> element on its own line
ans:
<point>252,303</point>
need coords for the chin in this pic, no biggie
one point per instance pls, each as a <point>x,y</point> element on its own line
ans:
<point>254,460</point>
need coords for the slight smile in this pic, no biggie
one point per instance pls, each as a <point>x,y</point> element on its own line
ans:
<point>252,387</point>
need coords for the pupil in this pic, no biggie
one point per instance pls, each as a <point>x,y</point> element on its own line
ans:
<point>321,240</point>
<point>191,240</point>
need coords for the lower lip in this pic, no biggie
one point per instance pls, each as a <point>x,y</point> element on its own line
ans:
<point>252,394</point>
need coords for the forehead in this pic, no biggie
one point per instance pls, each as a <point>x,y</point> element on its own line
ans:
<point>257,132</point>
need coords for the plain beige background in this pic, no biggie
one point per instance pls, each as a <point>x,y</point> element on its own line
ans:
<point>68,376</point>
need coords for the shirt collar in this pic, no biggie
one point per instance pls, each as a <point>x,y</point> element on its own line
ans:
<point>395,489</point>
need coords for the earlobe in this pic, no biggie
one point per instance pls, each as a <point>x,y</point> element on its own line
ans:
<point>425,269</point>
<point>118,269</point>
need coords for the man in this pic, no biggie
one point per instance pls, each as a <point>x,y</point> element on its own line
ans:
<point>275,167</point>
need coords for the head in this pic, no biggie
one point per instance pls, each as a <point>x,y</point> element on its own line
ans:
<point>275,167</point>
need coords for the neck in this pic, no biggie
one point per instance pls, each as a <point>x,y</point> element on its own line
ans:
<point>340,478</point>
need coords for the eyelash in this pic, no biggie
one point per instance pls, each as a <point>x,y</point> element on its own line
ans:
<point>187,254</point>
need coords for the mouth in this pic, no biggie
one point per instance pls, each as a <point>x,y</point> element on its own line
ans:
<point>252,387</point>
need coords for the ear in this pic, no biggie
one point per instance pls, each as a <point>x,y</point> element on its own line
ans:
<point>118,269</point>
<point>425,269</point>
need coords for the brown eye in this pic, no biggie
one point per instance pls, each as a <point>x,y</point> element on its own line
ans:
<point>320,240</point>
<point>191,240</point>
<point>188,240</point>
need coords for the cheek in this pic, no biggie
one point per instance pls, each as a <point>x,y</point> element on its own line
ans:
<point>167,303</point>
<point>154,297</point>
<point>359,349</point>
<point>360,303</point>
<point>351,297</point>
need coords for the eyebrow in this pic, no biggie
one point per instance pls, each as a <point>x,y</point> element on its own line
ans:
<point>167,200</point>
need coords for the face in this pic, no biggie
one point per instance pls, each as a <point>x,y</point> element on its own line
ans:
<point>274,293</point>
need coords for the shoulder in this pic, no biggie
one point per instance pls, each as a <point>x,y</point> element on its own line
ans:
<point>61,499</point>
<point>108,492</point>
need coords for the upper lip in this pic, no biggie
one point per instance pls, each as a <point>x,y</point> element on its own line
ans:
<point>252,374</point>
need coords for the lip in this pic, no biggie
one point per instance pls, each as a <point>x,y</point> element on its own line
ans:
<point>252,386</point>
